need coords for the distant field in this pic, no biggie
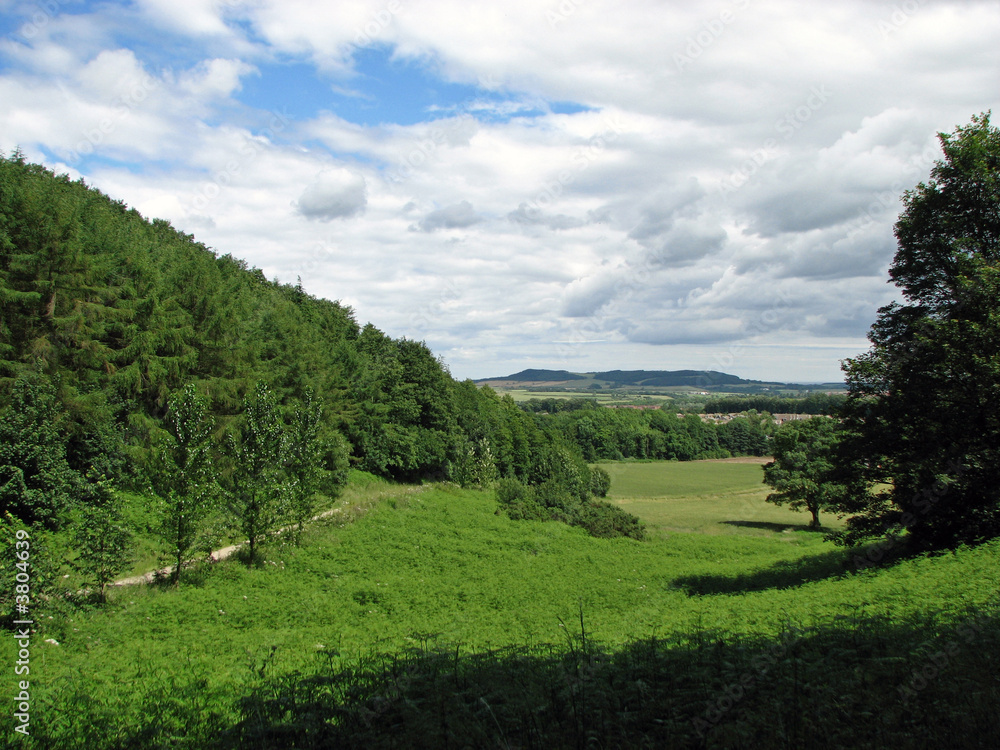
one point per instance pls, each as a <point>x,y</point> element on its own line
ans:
<point>711,497</point>
<point>602,397</point>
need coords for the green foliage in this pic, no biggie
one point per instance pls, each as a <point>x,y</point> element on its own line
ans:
<point>183,473</point>
<point>555,499</point>
<point>600,482</point>
<point>815,403</point>
<point>102,535</point>
<point>518,501</point>
<point>802,472</point>
<point>748,435</point>
<point>35,551</point>
<point>923,417</point>
<point>604,434</point>
<point>36,481</point>
<point>257,488</point>
<point>303,459</point>
<point>604,520</point>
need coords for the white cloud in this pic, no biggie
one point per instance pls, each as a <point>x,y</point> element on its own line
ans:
<point>727,198</point>
<point>334,194</point>
<point>194,17</point>
<point>214,79</point>
<point>457,216</point>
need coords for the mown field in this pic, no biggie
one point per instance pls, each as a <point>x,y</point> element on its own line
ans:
<point>427,620</point>
<point>605,398</point>
<point>711,497</point>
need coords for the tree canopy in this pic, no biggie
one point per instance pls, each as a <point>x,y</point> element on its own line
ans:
<point>802,470</point>
<point>923,413</point>
<point>108,321</point>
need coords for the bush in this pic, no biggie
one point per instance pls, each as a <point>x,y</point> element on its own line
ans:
<point>519,502</point>
<point>600,482</point>
<point>602,519</point>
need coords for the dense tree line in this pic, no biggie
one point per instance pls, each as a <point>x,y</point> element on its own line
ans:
<point>133,357</point>
<point>604,434</point>
<point>827,404</point>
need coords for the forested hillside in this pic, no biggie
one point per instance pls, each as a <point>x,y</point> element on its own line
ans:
<point>107,316</point>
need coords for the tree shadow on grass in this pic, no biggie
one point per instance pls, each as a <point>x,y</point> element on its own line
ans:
<point>775,527</point>
<point>918,682</point>
<point>781,575</point>
<point>708,689</point>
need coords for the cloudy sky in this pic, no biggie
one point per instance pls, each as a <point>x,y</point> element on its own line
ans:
<point>578,184</point>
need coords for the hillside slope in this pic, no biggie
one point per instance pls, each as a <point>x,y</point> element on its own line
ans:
<point>439,621</point>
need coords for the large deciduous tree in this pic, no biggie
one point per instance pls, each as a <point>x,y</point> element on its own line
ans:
<point>923,413</point>
<point>801,472</point>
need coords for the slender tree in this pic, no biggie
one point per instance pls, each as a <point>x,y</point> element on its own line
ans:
<point>102,535</point>
<point>183,473</point>
<point>257,485</point>
<point>304,459</point>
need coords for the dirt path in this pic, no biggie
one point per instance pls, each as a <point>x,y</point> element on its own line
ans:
<point>223,553</point>
<point>216,555</point>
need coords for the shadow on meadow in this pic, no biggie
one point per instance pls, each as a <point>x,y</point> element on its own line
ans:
<point>781,575</point>
<point>851,683</point>
<point>775,527</point>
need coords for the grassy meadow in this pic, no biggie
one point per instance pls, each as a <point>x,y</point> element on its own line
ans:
<point>419,617</point>
<point>724,496</point>
<point>605,398</point>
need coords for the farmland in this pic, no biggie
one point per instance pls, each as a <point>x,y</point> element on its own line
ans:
<point>711,497</point>
<point>431,618</point>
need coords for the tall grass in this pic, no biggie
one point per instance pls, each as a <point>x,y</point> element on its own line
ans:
<point>437,623</point>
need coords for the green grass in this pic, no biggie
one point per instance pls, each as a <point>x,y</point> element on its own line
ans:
<point>710,497</point>
<point>423,618</point>
<point>603,397</point>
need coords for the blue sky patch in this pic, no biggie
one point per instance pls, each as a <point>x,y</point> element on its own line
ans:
<point>384,90</point>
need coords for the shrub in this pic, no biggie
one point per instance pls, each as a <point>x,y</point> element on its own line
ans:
<point>602,519</point>
<point>600,482</point>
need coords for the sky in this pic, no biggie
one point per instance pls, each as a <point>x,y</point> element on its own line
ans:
<point>575,184</point>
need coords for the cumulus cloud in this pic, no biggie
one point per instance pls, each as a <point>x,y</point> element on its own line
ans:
<point>688,242</point>
<point>334,194</point>
<point>527,216</point>
<point>457,216</point>
<point>686,185</point>
<point>215,79</point>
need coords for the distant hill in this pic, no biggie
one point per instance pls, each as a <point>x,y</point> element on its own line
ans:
<point>546,376</point>
<point>620,378</point>
<point>671,378</point>
<point>702,380</point>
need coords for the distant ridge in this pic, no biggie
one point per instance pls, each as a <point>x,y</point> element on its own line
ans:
<point>669,378</point>
<point>699,380</point>
<point>649,378</point>
<point>546,376</point>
